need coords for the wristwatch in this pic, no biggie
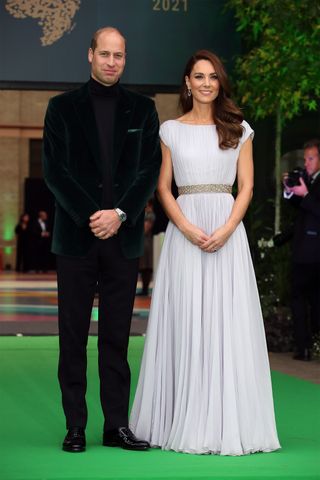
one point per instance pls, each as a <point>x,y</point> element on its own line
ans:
<point>122,215</point>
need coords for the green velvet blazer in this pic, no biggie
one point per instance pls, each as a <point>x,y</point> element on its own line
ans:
<point>73,170</point>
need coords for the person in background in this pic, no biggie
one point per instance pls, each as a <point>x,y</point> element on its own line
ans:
<point>305,197</point>
<point>22,232</point>
<point>40,242</point>
<point>146,261</point>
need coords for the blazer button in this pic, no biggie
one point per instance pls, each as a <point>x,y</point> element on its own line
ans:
<point>100,185</point>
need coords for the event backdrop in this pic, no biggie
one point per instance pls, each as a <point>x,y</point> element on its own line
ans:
<point>47,41</point>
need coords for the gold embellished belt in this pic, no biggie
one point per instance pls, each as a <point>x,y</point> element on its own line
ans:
<point>205,188</point>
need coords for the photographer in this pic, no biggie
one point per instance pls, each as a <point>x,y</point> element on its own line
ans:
<point>302,190</point>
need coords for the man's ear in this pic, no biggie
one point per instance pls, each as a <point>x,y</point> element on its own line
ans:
<point>90,55</point>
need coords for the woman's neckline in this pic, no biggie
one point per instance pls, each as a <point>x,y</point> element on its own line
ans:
<point>195,124</point>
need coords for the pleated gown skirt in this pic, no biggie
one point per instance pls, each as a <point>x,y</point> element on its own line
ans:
<point>204,385</point>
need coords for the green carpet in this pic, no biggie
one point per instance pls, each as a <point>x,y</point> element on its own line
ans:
<point>32,428</point>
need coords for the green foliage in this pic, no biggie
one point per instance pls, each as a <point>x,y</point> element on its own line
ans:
<point>272,263</point>
<point>273,271</point>
<point>279,75</point>
<point>316,347</point>
<point>282,65</point>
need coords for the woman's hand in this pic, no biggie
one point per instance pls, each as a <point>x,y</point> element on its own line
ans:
<point>218,238</point>
<point>195,235</point>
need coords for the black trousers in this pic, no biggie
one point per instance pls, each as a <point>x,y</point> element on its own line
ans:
<point>305,303</point>
<point>104,269</point>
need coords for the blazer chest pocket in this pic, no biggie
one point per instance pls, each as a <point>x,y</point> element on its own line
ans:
<point>132,145</point>
<point>134,130</point>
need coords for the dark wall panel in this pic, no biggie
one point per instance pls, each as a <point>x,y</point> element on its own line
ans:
<point>43,42</point>
<point>37,197</point>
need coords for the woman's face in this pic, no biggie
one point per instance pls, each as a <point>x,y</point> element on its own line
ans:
<point>203,82</point>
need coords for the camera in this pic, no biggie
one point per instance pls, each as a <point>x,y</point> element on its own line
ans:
<point>293,178</point>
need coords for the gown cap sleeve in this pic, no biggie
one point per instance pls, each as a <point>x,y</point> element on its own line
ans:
<point>164,133</point>
<point>247,132</point>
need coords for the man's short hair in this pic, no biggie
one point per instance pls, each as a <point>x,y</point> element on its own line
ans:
<point>96,34</point>
<point>315,142</point>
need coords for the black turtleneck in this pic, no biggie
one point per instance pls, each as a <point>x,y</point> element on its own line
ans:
<point>104,101</point>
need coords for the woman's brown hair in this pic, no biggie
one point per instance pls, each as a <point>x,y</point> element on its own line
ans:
<point>227,116</point>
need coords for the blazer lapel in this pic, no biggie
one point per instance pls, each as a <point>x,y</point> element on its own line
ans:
<point>124,114</point>
<point>84,109</point>
<point>316,181</point>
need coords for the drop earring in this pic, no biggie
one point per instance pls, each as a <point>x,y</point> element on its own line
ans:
<point>189,92</point>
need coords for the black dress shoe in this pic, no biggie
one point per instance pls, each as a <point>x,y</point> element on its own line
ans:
<point>304,355</point>
<point>75,440</point>
<point>124,438</point>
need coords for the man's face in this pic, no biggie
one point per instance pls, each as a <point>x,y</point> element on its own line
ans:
<point>311,160</point>
<point>108,59</point>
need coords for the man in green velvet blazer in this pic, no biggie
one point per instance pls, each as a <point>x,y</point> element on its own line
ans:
<point>101,160</point>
